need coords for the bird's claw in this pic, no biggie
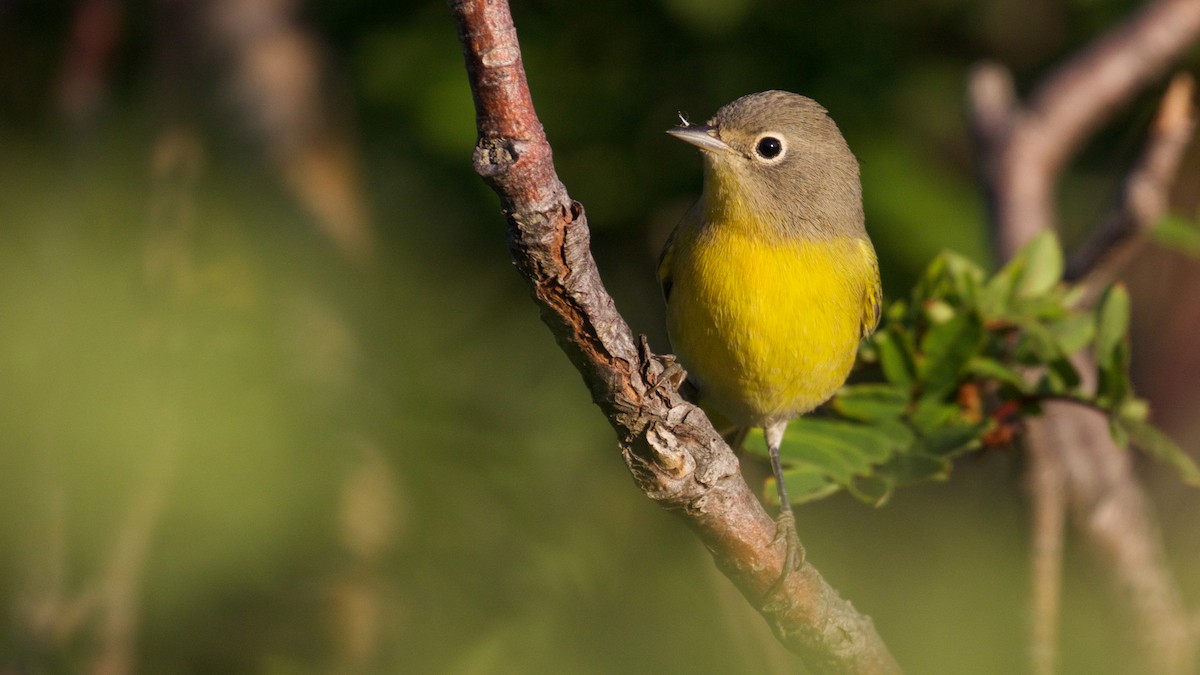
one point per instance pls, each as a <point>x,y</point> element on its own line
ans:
<point>785,532</point>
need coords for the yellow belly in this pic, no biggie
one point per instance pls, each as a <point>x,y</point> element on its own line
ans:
<point>767,331</point>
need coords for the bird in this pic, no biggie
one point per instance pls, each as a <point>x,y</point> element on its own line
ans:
<point>770,278</point>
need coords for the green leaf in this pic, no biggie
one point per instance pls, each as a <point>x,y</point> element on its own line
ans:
<point>988,368</point>
<point>1134,408</point>
<point>804,484</point>
<point>1178,233</point>
<point>1113,385</point>
<point>943,431</point>
<point>929,283</point>
<point>839,460</point>
<point>1043,265</point>
<point>874,490</point>
<point>1074,295</point>
<point>895,357</point>
<point>997,293</point>
<point>896,312</point>
<point>868,352</point>
<point>939,311</point>
<point>966,277</point>
<point>904,469</point>
<point>1120,436</point>
<point>1035,345</point>
<point>871,402</point>
<point>822,454</point>
<point>836,459</point>
<point>1061,377</point>
<point>930,414</point>
<point>869,444</point>
<point>1112,321</point>
<point>1149,438</point>
<point>951,439</point>
<point>1112,347</point>
<point>900,434</point>
<point>1074,332</point>
<point>947,348</point>
<point>1021,286</point>
<point>949,281</point>
<point>913,467</point>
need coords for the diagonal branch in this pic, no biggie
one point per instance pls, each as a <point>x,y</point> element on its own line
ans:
<point>674,454</point>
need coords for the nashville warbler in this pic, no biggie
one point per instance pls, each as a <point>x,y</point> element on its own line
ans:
<point>770,279</point>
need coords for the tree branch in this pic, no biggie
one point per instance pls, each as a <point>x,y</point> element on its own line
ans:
<point>1068,106</point>
<point>1022,152</point>
<point>671,449</point>
<point>1144,200</point>
<point>1046,484</point>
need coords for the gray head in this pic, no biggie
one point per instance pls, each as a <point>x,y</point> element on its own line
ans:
<point>778,157</point>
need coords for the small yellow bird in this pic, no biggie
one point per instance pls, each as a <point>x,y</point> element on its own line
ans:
<point>770,279</point>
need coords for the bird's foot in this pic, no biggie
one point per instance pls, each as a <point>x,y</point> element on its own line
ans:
<point>785,531</point>
<point>662,371</point>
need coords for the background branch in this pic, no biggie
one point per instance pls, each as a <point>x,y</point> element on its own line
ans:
<point>1070,104</point>
<point>1046,483</point>
<point>1022,152</point>
<point>669,445</point>
<point>1144,199</point>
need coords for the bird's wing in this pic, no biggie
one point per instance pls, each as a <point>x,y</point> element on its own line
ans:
<point>664,265</point>
<point>664,268</point>
<point>873,291</point>
<point>686,228</point>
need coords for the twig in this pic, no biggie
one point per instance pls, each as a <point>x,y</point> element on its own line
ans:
<point>1046,482</point>
<point>277,73</point>
<point>671,449</point>
<point>1022,151</point>
<point>121,584</point>
<point>168,271</point>
<point>1144,199</point>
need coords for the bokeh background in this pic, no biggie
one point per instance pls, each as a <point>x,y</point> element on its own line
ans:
<point>272,399</point>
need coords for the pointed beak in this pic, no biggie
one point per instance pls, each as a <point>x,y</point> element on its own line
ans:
<point>701,136</point>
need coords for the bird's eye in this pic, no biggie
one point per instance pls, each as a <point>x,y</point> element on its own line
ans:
<point>769,147</point>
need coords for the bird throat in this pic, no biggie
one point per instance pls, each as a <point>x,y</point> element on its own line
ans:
<point>730,200</point>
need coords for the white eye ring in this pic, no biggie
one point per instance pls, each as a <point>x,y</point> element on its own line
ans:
<point>770,147</point>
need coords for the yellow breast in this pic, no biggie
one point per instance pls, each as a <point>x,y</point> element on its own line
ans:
<point>768,330</point>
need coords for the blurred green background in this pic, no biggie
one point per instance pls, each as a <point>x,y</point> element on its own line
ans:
<point>272,399</point>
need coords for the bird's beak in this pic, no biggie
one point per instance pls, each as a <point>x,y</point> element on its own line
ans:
<point>701,136</point>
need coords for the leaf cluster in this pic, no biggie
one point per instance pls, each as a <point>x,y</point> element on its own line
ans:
<point>955,367</point>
